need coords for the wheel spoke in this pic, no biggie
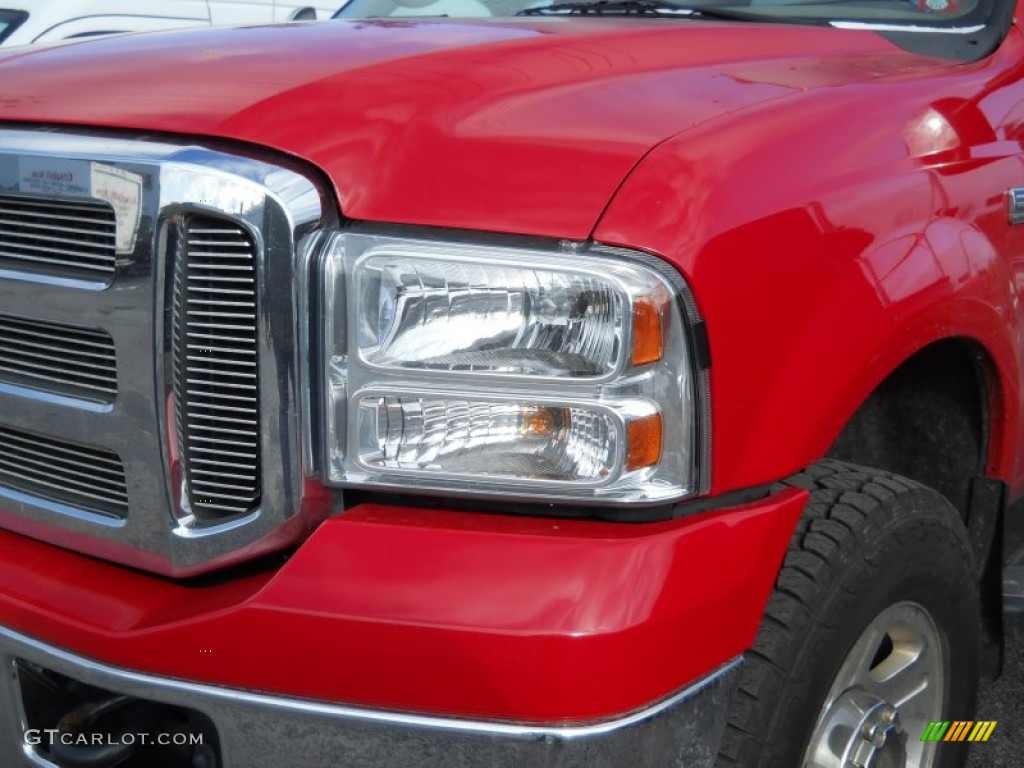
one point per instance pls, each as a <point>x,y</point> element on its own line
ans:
<point>908,676</point>
<point>904,687</point>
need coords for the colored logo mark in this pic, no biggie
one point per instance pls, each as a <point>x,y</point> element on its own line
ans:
<point>959,730</point>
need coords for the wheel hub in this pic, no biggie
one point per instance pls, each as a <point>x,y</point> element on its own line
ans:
<point>861,731</point>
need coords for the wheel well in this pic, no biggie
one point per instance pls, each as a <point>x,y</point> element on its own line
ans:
<point>927,421</point>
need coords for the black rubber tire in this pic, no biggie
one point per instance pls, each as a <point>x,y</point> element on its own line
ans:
<point>867,539</point>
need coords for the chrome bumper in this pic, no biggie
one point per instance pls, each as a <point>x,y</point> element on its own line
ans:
<point>257,730</point>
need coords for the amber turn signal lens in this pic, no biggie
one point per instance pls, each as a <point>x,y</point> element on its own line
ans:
<point>643,442</point>
<point>646,331</point>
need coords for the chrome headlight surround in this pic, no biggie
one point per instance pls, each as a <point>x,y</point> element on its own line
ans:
<point>608,407</point>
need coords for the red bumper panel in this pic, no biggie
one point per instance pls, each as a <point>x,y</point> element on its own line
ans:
<point>521,619</point>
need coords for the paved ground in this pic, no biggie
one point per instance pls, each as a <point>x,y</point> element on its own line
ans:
<point>1003,700</point>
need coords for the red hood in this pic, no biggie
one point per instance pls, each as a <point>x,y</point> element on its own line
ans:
<point>526,126</point>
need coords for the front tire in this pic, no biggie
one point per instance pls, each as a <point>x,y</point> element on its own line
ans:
<point>872,631</point>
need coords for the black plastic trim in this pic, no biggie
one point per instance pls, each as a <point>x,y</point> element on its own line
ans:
<point>655,513</point>
<point>985,530</point>
<point>702,345</point>
<point>967,47</point>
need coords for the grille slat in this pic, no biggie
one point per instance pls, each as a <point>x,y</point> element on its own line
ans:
<point>70,466</point>
<point>219,464</point>
<point>96,361</point>
<point>220,360</point>
<point>213,336</point>
<point>58,236</point>
<point>248,387</point>
<point>215,368</point>
<point>87,366</point>
<point>81,337</point>
<point>201,348</point>
<point>218,396</point>
<point>227,292</point>
<point>13,242</point>
<point>38,379</point>
<point>64,217</point>
<point>44,260</point>
<point>199,448</point>
<point>222,313</point>
<point>208,321</point>
<point>213,508</point>
<point>228,280</point>
<point>47,488</point>
<point>214,429</point>
<point>216,490</point>
<point>223,258</point>
<point>228,475</point>
<point>32,205</point>
<point>54,228</point>
<point>226,420</point>
<point>103,461</point>
<point>30,368</point>
<point>81,476</point>
<point>27,462</point>
<point>49,349</point>
<point>231,408</point>
<point>41,342</point>
<point>72,361</point>
<point>229,487</point>
<point>218,268</point>
<point>222,441</point>
<point>226,315</point>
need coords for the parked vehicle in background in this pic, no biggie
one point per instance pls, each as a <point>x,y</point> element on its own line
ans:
<point>606,384</point>
<point>9,21</point>
<point>23,22</point>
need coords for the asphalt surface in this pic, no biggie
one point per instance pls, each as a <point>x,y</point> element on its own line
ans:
<point>1003,701</point>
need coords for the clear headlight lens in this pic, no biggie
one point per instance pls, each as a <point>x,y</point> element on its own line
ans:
<point>447,315</point>
<point>503,371</point>
<point>487,438</point>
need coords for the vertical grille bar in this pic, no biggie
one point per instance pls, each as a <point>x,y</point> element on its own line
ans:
<point>216,377</point>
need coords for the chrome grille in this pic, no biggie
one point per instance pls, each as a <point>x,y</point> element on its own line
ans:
<point>215,368</point>
<point>77,475</point>
<point>58,236</point>
<point>170,409</point>
<point>73,361</point>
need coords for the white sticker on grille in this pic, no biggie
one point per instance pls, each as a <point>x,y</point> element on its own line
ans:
<point>123,190</point>
<point>53,176</point>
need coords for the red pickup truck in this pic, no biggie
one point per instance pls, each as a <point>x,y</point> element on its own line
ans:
<point>511,383</point>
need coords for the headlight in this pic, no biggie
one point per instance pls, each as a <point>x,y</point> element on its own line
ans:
<point>505,371</point>
<point>447,315</point>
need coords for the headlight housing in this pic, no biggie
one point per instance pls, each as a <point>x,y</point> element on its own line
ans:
<point>552,375</point>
